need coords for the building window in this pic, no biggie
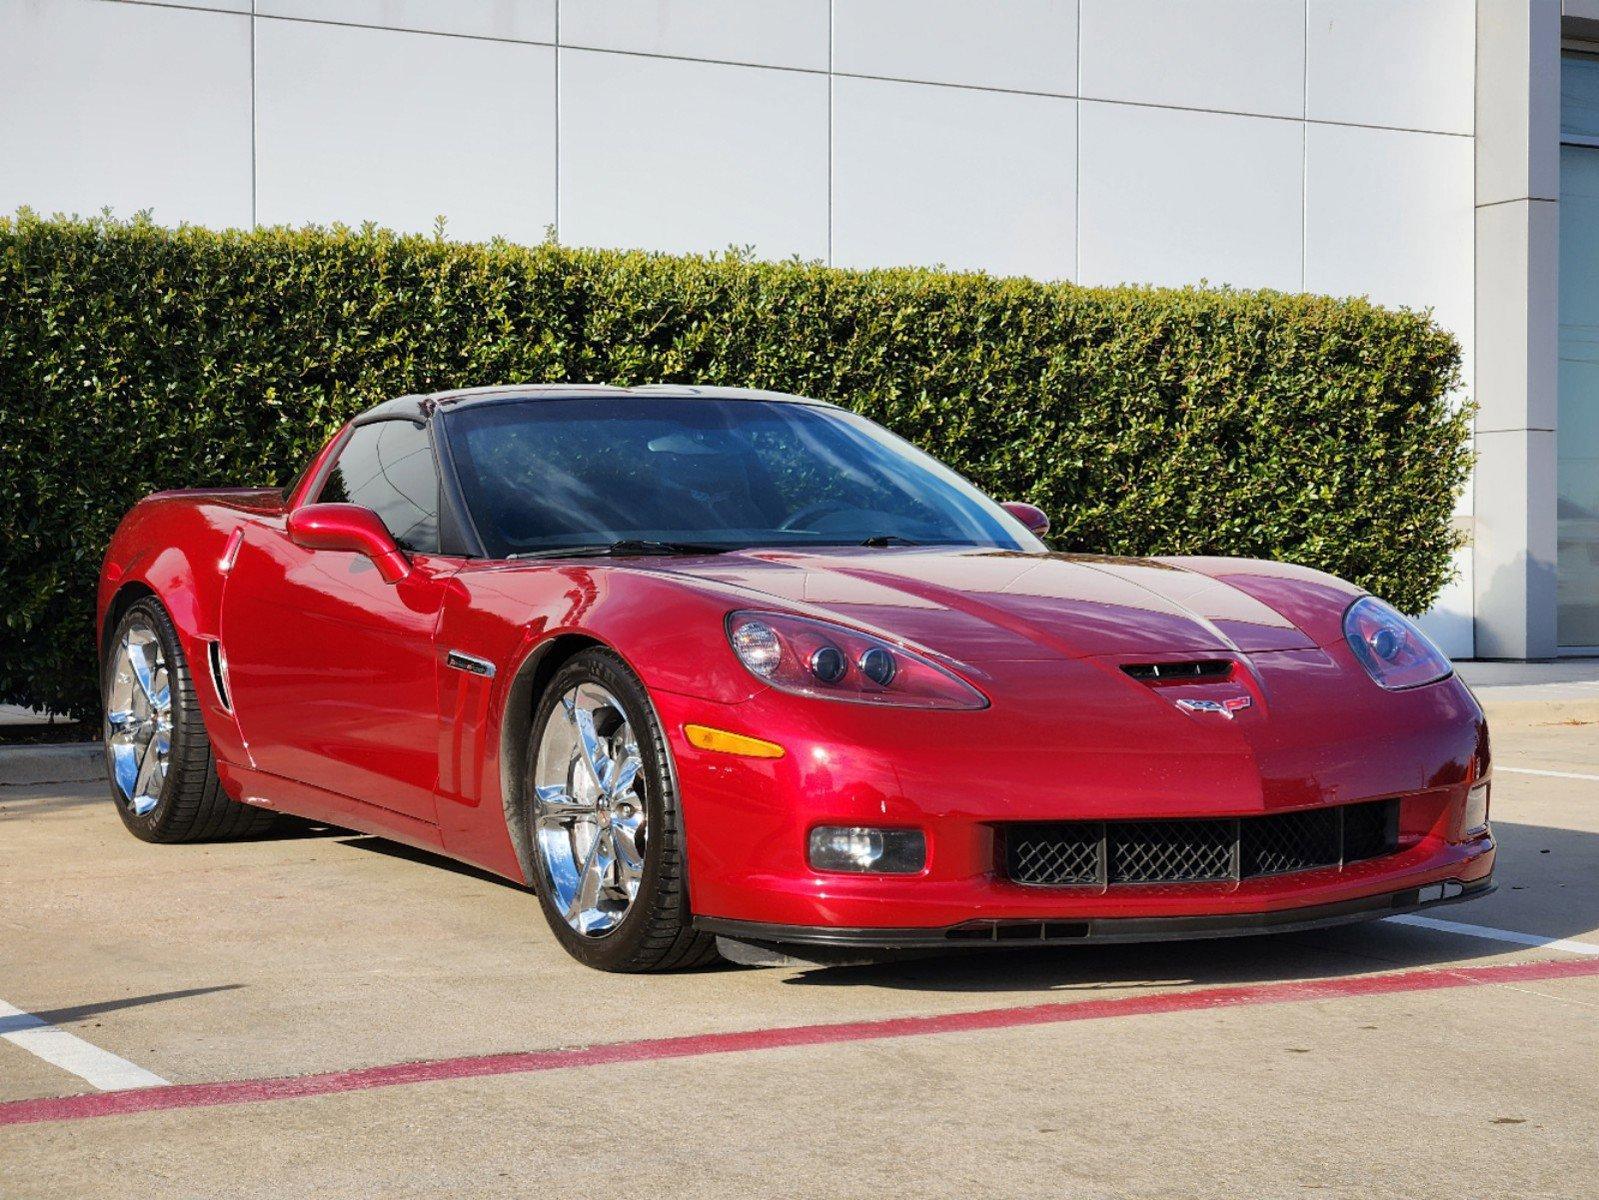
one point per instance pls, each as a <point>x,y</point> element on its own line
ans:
<point>1577,437</point>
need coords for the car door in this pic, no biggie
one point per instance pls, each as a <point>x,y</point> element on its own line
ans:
<point>333,670</point>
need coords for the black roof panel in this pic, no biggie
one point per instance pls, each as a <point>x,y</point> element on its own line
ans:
<point>420,407</point>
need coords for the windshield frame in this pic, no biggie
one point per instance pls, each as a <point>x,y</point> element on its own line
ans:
<point>448,422</point>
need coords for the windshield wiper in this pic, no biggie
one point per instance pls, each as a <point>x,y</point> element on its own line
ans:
<point>889,539</point>
<point>623,548</point>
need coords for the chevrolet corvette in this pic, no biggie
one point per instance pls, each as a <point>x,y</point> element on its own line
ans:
<point>712,669</point>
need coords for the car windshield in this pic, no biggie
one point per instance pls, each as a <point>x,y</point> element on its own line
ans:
<point>541,475</point>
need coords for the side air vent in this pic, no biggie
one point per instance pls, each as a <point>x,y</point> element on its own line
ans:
<point>219,672</point>
<point>1204,668</point>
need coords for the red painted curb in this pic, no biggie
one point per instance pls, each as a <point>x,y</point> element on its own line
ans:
<point>248,1091</point>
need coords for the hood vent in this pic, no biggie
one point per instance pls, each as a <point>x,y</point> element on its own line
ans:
<point>1179,672</point>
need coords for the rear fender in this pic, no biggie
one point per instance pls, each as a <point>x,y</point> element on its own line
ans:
<point>174,550</point>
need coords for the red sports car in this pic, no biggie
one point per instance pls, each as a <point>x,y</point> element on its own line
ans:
<point>703,663</point>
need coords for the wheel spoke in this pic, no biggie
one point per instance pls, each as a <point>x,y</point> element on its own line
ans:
<point>125,765</point>
<point>594,756</point>
<point>630,864</point>
<point>626,772</point>
<point>587,895</point>
<point>147,787</point>
<point>161,697</point>
<point>555,801</point>
<point>142,672</point>
<point>588,741</point>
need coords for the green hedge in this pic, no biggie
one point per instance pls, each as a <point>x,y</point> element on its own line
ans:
<point>1145,421</point>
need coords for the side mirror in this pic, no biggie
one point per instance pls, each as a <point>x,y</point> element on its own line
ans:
<point>1029,515</point>
<point>351,528</point>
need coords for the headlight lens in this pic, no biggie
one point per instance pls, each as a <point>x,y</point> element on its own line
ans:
<point>1389,645</point>
<point>831,662</point>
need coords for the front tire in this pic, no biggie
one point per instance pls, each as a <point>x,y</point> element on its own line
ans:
<point>604,823</point>
<point>163,775</point>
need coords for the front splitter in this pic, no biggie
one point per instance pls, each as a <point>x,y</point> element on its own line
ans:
<point>979,933</point>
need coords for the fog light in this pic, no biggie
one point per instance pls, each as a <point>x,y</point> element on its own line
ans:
<point>1475,819</point>
<point>879,851</point>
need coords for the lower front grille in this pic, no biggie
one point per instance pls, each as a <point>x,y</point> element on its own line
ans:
<point>1089,853</point>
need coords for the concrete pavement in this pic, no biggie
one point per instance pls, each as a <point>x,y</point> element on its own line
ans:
<point>328,952</point>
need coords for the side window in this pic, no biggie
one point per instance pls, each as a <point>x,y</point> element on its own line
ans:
<point>388,467</point>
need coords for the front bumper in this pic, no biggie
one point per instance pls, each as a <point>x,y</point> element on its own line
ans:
<point>1103,929</point>
<point>963,778</point>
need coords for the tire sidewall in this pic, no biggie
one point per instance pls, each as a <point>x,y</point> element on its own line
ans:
<point>607,669</point>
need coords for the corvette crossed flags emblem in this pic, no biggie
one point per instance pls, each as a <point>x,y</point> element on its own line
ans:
<point>1226,708</point>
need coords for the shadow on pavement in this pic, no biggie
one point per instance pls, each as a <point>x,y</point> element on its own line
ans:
<point>77,1012</point>
<point>1548,886</point>
<point>427,858</point>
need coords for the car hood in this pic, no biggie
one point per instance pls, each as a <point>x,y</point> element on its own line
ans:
<point>995,605</point>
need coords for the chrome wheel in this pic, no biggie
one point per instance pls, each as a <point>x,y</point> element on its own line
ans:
<point>138,719</point>
<point>589,810</point>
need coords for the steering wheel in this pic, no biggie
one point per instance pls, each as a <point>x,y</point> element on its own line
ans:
<point>817,508</point>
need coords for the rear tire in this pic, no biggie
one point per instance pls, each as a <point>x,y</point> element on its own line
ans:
<point>162,772</point>
<point>604,824</point>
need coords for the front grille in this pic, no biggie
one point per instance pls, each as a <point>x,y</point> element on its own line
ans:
<point>1170,851</point>
<point>1078,853</point>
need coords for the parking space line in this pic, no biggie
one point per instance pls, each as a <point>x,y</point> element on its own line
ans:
<point>96,1067</point>
<point>1497,935</point>
<point>248,1091</point>
<point>1545,774</point>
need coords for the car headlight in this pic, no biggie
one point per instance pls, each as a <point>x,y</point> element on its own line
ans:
<point>831,662</point>
<point>1389,645</point>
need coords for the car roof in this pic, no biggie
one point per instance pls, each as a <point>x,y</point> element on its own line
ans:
<point>420,406</point>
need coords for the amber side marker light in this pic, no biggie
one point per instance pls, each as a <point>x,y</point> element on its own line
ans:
<point>721,740</point>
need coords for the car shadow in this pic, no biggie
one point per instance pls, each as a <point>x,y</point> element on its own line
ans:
<point>377,845</point>
<point>1548,887</point>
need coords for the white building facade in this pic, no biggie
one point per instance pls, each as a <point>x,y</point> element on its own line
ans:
<point>1409,150</point>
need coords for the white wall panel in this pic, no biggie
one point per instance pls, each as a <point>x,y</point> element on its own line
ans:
<point>1242,56</point>
<point>512,20</point>
<point>782,33</point>
<point>974,180</point>
<point>242,6</point>
<point>1173,197</point>
<point>125,105</point>
<point>1448,622</point>
<point>1409,64</point>
<point>360,124</point>
<point>1389,214</point>
<point>1026,45</point>
<point>687,156</point>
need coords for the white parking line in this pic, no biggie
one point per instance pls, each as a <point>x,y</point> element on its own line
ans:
<point>96,1067</point>
<point>1546,774</point>
<point>1498,935</point>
